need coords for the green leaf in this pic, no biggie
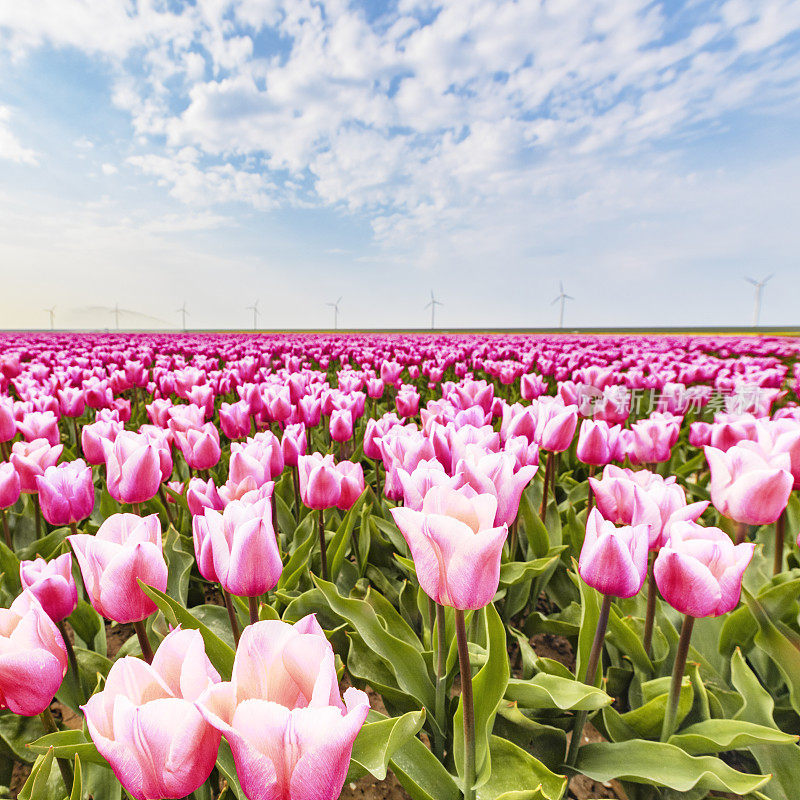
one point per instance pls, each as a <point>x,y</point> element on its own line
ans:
<point>180,562</point>
<point>555,691</point>
<point>15,733</point>
<point>517,775</point>
<point>647,720</point>
<point>338,544</point>
<point>227,766</point>
<point>422,775</point>
<point>44,782</point>
<point>590,615</point>
<point>518,571</point>
<point>68,744</point>
<point>9,567</point>
<point>628,640</point>
<point>219,654</point>
<point>298,561</point>
<point>781,645</point>
<point>718,735</point>
<point>488,687</point>
<point>661,764</point>
<point>90,664</point>
<point>378,740</point>
<point>406,662</point>
<point>77,783</point>
<point>88,625</point>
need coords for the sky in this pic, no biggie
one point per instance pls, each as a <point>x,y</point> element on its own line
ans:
<point>285,153</point>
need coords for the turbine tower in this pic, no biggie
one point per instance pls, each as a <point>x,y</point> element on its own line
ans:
<point>432,305</point>
<point>52,313</point>
<point>335,307</point>
<point>563,297</point>
<point>115,311</point>
<point>759,288</point>
<point>182,310</point>
<point>254,309</point>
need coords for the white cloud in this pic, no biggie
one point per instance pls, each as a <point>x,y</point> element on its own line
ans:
<point>109,169</point>
<point>10,147</point>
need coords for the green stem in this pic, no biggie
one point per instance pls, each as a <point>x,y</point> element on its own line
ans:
<point>677,678</point>
<point>252,603</point>
<point>590,677</point>
<point>144,642</point>
<point>323,551</point>
<point>512,542</point>
<point>6,530</point>
<point>548,465</point>
<point>231,616</point>
<point>742,529</point>
<point>73,661</point>
<point>590,501</point>
<point>37,515</point>
<point>163,497</point>
<point>66,768</point>
<point>650,614</point>
<point>441,681</point>
<point>4,451</point>
<point>780,528</point>
<point>468,704</point>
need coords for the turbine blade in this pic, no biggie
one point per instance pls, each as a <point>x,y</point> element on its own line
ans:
<point>769,277</point>
<point>556,300</point>
<point>750,280</point>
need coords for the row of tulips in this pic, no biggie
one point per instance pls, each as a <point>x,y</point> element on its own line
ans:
<point>412,515</point>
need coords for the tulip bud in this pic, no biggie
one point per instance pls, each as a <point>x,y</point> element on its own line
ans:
<point>52,584</point>
<point>66,492</point>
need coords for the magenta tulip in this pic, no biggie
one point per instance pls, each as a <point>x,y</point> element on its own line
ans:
<point>133,467</point>
<point>66,492</point>
<point>31,459</point>
<point>9,485</point>
<point>52,584</point>
<point>200,446</point>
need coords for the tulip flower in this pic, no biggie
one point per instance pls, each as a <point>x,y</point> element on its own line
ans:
<point>200,446</point>
<point>596,442</point>
<point>52,584</point>
<point>455,545</point>
<point>9,485</point>
<point>555,425</point>
<point>33,658</point>
<point>8,425</point>
<point>234,419</point>
<point>290,733</point>
<point>293,443</point>
<point>320,482</point>
<point>201,495</point>
<point>418,483</point>
<point>125,548</point>
<point>66,492</point>
<point>31,459</point>
<point>259,457</point>
<point>748,485</point>
<point>237,547</point>
<point>341,425</point>
<point>40,425</point>
<point>699,573</point>
<point>654,437</point>
<point>146,724</point>
<point>93,436</point>
<point>133,467</point>
<point>613,560</point>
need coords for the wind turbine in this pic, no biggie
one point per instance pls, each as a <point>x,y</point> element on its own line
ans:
<point>432,305</point>
<point>254,309</point>
<point>182,310</point>
<point>51,312</point>
<point>335,307</point>
<point>759,287</point>
<point>563,297</point>
<point>117,311</point>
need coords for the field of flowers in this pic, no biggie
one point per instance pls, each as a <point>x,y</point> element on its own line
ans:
<point>493,567</point>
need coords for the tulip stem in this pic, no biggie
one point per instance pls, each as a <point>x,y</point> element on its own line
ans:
<point>590,676</point>
<point>512,542</point>
<point>742,529</point>
<point>144,642</point>
<point>77,437</point>
<point>677,678</point>
<point>4,451</point>
<point>323,551</point>
<point>6,531</point>
<point>441,681</point>
<point>66,768</point>
<point>650,614</point>
<point>296,485</point>
<point>37,515</point>
<point>73,661</point>
<point>163,497</point>
<point>231,616</point>
<point>468,705</point>
<point>548,466</point>
<point>590,500</point>
<point>252,603</point>
<point>780,528</point>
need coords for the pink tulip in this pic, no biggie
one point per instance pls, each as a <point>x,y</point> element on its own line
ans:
<point>8,425</point>
<point>9,485</point>
<point>201,495</point>
<point>162,439</point>
<point>133,467</point>
<point>290,733</point>
<point>33,657</point>
<point>532,386</point>
<point>613,560</point>
<point>748,485</point>
<point>351,484</point>
<point>146,724</point>
<point>66,492</point>
<point>31,459</point>
<point>654,437</point>
<point>237,547</point>
<point>455,546</point>
<point>52,584</point>
<point>375,388</point>
<point>320,482</point>
<point>124,549</point>
<point>234,419</point>
<point>700,434</point>
<point>71,402</point>
<point>259,457</point>
<point>699,571</point>
<point>555,426</point>
<point>158,412</point>
<point>341,425</point>
<point>660,506</point>
<point>200,446</point>
<point>93,436</point>
<point>40,425</point>
<point>420,481</point>
<point>596,442</point>
<point>495,473</point>
<point>293,443</point>
<point>407,402</point>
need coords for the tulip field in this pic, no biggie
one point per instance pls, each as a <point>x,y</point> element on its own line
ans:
<point>304,567</point>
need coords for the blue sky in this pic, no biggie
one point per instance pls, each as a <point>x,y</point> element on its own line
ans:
<point>155,152</point>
